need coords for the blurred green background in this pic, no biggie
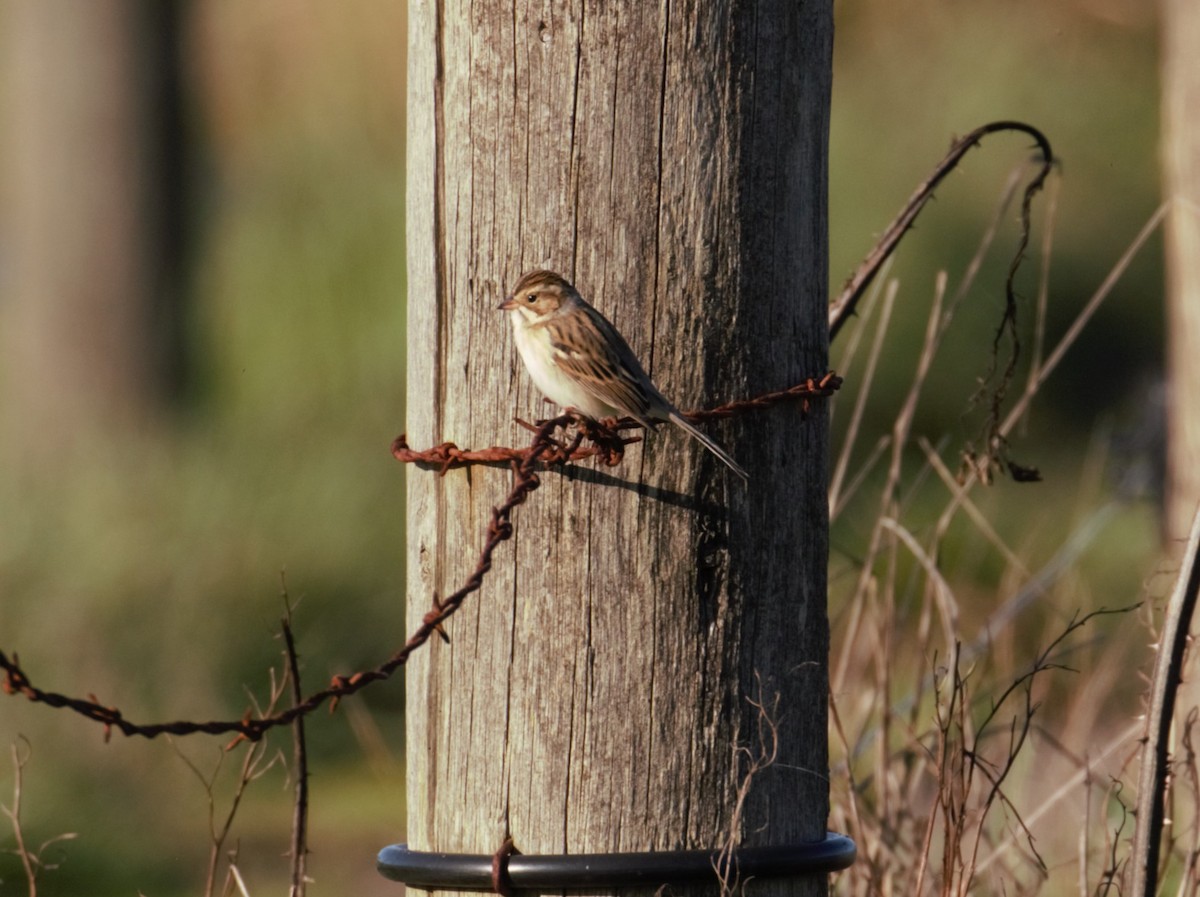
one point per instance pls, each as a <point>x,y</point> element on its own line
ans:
<point>141,558</point>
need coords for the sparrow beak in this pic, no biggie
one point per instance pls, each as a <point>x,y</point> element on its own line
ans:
<point>508,304</point>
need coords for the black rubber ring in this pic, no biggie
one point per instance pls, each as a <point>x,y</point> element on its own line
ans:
<point>473,872</point>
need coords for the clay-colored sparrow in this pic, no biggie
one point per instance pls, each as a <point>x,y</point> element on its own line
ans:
<point>580,361</point>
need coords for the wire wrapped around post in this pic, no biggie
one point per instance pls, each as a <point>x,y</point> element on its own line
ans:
<point>476,872</point>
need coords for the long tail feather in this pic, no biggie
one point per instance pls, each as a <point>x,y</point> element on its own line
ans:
<point>678,419</point>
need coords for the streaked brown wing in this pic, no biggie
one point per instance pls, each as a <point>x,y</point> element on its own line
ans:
<point>589,349</point>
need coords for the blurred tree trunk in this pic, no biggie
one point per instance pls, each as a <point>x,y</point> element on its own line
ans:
<point>671,161</point>
<point>1181,168</point>
<point>85,245</point>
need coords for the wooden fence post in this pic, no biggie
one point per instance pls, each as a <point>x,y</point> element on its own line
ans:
<point>602,691</point>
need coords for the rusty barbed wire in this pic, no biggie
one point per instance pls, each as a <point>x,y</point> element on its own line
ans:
<point>525,479</point>
<point>605,436</point>
<point>804,393</point>
<point>606,442</point>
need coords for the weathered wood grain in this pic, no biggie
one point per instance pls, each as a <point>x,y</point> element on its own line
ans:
<point>670,159</point>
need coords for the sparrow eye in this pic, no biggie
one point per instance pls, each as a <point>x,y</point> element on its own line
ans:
<point>532,297</point>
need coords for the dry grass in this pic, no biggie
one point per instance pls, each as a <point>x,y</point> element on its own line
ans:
<point>993,751</point>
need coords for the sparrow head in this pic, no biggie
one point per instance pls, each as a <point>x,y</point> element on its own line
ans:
<point>538,294</point>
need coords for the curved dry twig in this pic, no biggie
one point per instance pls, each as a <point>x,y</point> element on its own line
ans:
<point>991,452</point>
<point>1168,674</point>
<point>844,305</point>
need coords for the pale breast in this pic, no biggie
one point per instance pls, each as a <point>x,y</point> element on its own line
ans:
<point>536,351</point>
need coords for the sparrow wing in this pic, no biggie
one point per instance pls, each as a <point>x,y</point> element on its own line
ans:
<point>591,351</point>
